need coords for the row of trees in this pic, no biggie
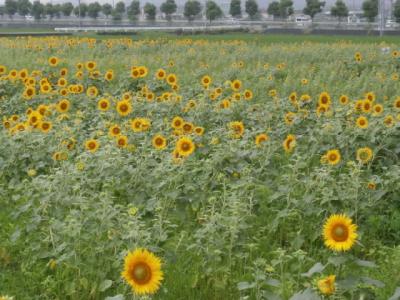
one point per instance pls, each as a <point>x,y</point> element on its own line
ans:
<point>277,8</point>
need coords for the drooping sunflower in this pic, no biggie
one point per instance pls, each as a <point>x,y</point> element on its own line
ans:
<point>362,122</point>
<point>261,138</point>
<point>159,142</point>
<point>388,121</point>
<point>396,103</point>
<point>339,233</point>
<point>142,271</point>
<point>327,285</point>
<point>289,143</point>
<point>237,128</point>
<point>333,157</point>
<point>124,107</point>
<point>92,145</point>
<point>185,146</point>
<point>364,155</point>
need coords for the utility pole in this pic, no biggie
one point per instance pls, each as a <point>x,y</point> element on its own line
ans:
<point>381,17</point>
<point>79,13</point>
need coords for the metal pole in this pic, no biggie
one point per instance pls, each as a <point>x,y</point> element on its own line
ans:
<point>381,17</point>
<point>79,13</point>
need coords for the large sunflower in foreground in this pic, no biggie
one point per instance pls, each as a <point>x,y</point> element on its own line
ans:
<point>339,233</point>
<point>142,271</point>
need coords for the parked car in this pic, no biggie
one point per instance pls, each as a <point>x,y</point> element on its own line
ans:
<point>29,18</point>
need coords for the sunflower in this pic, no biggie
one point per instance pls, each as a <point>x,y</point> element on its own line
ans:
<point>142,271</point>
<point>388,121</point>
<point>289,143</point>
<point>396,103</point>
<point>364,155</point>
<point>324,99</point>
<point>377,109</point>
<point>185,146</point>
<point>171,79</point>
<point>358,56</point>
<point>199,130</point>
<point>237,128</point>
<point>187,127</point>
<point>344,100</point>
<point>206,81</point>
<point>45,88</point>
<point>332,157</point>
<point>114,130</point>
<point>122,141</point>
<point>29,93</point>
<point>92,91</point>
<point>161,74</point>
<point>92,145</point>
<point>159,142</point>
<point>109,75</point>
<point>289,118</point>
<point>142,71</point>
<point>225,104</point>
<point>45,126</point>
<point>177,122</point>
<point>362,122</point>
<point>236,85</point>
<point>124,107</point>
<point>34,118</point>
<point>248,95</point>
<point>63,106</point>
<point>367,106</point>
<point>103,104</point>
<point>339,233</point>
<point>327,285</point>
<point>3,70</point>
<point>371,185</point>
<point>261,138</point>
<point>53,61</point>
<point>370,96</point>
<point>90,65</point>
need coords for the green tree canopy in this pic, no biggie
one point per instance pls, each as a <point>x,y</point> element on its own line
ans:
<point>235,8</point>
<point>24,7</point>
<point>313,7</point>
<point>10,7</point>
<point>133,10</point>
<point>106,9</point>
<point>396,11</point>
<point>83,8</point>
<point>251,8</point>
<point>370,8</point>
<point>67,8</point>
<point>168,8</point>
<point>192,9</point>
<point>93,10</point>
<point>150,11</point>
<point>339,10</point>
<point>37,10</point>
<point>213,11</point>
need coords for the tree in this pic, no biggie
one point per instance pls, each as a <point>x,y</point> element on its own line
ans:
<point>106,9</point>
<point>213,11</point>
<point>67,8</point>
<point>313,7</point>
<point>93,10</point>
<point>370,8</point>
<point>236,8</point>
<point>285,8</point>
<point>10,8</point>
<point>274,9</point>
<point>192,9</point>
<point>396,11</point>
<point>133,10</point>
<point>83,7</point>
<point>24,7</point>
<point>2,11</point>
<point>37,10</point>
<point>120,8</point>
<point>150,11</point>
<point>168,8</point>
<point>251,8</point>
<point>49,10</point>
<point>57,10</point>
<point>339,10</point>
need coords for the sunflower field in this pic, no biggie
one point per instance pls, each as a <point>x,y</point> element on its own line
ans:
<point>199,169</point>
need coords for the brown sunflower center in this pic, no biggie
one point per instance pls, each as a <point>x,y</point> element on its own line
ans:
<point>185,146</point>
<point>103,104</point>
<point>333,157</point>
<point>340,233</point>
<point>141,273</point>
<point>123,107</point>
<point>159,141</point>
